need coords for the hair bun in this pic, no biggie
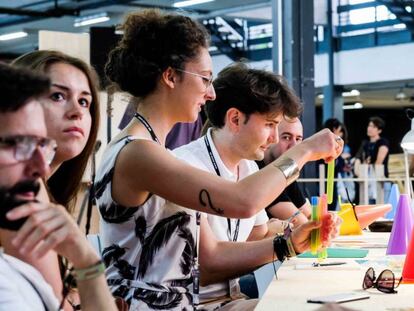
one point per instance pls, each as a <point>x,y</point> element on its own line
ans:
<point>135,80</point>
<point>152,42</point>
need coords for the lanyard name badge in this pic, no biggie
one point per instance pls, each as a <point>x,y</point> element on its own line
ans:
<point>214,162</point>
<point>234,288</point>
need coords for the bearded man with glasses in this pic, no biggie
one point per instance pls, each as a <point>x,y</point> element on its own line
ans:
<point>29,228</point>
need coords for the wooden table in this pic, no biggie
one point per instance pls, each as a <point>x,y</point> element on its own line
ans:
<point>293,287</point>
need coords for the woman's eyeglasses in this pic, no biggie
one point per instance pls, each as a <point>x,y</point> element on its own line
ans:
<point>208,81</point>
<point>14,149</point>
<point>385,282</point>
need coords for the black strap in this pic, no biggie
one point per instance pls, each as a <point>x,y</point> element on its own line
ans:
<point>147,126</point>
<point>214,162</point>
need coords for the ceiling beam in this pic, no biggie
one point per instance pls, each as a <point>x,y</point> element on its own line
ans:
<point>54,12</point>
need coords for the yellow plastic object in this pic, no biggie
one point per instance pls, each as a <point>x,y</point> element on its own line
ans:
<point>344,206</point>
<point>350,225</point>
<point>330,181</point>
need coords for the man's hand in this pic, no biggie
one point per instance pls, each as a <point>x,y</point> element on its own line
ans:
<point>329,229</point>
<point>48,227</point>
<point>276,226</point>
<point>323,145</point>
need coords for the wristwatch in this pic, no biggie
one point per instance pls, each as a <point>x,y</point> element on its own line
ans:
<point>283,246</point>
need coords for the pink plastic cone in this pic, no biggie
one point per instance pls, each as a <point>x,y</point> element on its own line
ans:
<point>402,227</point>
<point>367,214</point>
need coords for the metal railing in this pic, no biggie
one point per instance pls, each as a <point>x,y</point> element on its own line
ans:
<point>363,180</point>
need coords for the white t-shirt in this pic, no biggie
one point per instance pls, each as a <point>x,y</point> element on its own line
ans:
<point>18,281</point>
<point>196,154</point>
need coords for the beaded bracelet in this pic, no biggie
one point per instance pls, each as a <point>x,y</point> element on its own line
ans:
<point>90,272</point>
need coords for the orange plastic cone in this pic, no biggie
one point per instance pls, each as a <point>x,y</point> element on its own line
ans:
<point>408,270</point>
<point>367,208</point>
<point>367,214</point>
<point>364,208</point>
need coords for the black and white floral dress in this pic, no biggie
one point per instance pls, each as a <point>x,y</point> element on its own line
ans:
<point>148,249</point>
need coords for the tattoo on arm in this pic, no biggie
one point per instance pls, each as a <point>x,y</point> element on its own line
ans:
<point>219,211</point>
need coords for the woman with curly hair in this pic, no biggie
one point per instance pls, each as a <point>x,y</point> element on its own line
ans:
<point>149,200</point>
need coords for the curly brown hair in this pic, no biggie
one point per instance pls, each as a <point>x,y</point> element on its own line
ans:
<point>65,183</point>
<point>152,42</point>
<point>251,91</point>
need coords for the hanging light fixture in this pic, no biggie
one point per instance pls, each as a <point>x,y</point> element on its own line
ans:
<point>91,19</point>
<point>181,4</point>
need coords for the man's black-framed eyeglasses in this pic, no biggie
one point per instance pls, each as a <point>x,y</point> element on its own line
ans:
<point>208,81</point>
<point>385,282</point>
<point>18,148</point>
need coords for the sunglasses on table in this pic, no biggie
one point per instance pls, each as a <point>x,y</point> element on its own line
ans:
<point>385,282</point>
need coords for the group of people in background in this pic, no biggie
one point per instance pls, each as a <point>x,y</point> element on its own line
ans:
<point>178,228</point>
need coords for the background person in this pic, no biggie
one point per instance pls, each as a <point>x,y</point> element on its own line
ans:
<point>373,151</point>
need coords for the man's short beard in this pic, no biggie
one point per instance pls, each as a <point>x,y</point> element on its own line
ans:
<point>9,200</point>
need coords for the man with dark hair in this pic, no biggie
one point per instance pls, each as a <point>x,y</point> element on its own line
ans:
<point>334,125</point>
<point>28,227</point>
<point>251,91</point>
<point>378,122</point>
<point>249,106</point>
<point>18,86</point>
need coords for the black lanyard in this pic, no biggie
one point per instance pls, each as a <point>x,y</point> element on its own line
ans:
<point>213,161</point>
<point>147,126</point>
